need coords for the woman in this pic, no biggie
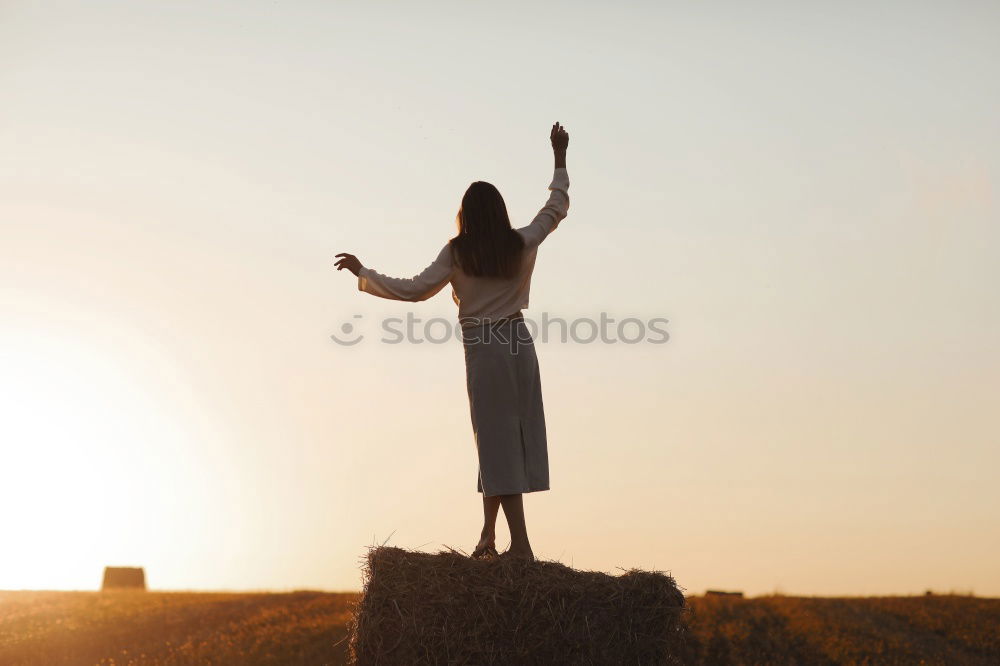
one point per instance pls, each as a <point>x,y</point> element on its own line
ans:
<point>489,266</point>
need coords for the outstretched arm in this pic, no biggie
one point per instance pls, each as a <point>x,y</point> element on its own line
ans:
<point>418,288</point>
<point>557,207</point>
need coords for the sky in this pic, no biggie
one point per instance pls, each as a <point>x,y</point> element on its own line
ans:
<point>808,195</point>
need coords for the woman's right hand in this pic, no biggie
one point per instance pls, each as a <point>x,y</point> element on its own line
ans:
<point>559,138</point>
<point>348,261</point>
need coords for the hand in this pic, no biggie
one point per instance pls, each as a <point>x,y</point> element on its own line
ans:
<point>559,138</point>
<point>350,262</point>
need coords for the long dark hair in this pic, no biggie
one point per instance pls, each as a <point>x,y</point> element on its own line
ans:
<point>486,245</point>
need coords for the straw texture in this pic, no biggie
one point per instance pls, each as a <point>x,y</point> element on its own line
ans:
<point>446,608</point>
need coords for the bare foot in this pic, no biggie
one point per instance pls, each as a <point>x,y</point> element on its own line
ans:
<point>519,554</point>
<point>485,547</point>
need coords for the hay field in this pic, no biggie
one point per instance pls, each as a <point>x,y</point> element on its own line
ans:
<point>135,627</point>
<point>55,628</point>
<point>940,629</point>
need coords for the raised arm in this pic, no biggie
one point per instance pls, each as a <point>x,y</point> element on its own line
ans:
<point>418,288</point>
<point>557,207</point>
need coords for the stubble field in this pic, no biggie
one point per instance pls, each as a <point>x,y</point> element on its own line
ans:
<point>306,627</point>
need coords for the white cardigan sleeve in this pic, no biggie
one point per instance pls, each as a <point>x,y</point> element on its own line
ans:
<point>554,210</point>
<point>418,288</point>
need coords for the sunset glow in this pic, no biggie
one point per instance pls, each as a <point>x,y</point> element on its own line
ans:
<point>819,231</point>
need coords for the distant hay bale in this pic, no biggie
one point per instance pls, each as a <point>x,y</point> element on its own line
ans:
<point>446,608</point>
<point>124,578</point>
<point>722,593</point>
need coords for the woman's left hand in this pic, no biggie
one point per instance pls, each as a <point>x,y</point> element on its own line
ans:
<point>348,261</point>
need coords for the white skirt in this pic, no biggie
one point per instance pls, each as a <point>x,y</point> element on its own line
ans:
<point>505,400</point>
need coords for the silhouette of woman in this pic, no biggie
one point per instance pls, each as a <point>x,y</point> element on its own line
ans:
<point>489,266</point>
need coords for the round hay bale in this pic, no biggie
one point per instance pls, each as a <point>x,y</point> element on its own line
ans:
<point>422,608</point>
<point>117,578</point>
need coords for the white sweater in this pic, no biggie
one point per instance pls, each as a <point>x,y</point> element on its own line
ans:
<point>478,298</point>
